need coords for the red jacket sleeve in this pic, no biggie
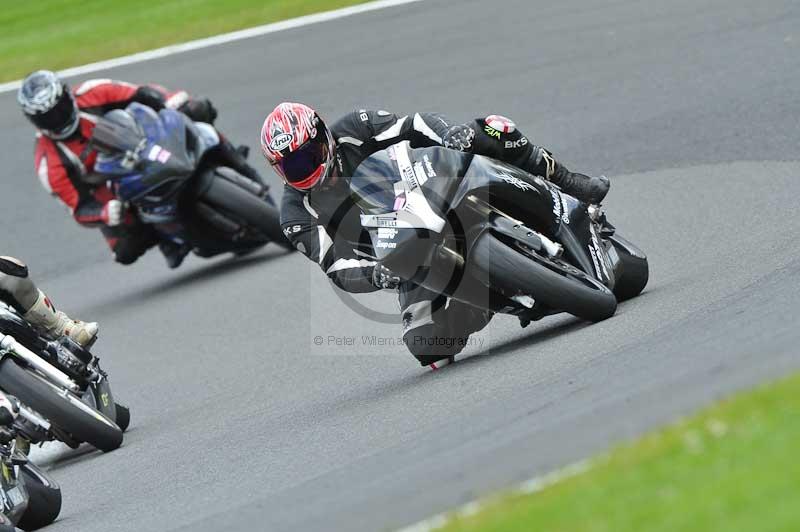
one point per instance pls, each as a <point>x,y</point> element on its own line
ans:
<point>85,208</point>
<point>102,95</point>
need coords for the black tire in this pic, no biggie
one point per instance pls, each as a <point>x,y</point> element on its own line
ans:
<point>249,207</point>
<point>69,413</point>
<point>572,291</point>
<point>44,502</point>
<point>123,417</point>
<point>635,274</point>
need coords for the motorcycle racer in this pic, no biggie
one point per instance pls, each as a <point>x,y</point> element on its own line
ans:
<point>19,291</point>
<point>315,160</point>
<point>64,162</point>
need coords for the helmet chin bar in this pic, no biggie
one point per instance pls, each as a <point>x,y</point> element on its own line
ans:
<point>66,133</point>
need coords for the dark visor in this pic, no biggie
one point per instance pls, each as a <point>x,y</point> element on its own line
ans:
<point>58,118</point>
<point>298,166</point>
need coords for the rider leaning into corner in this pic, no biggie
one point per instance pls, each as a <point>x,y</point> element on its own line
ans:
<point>315,160</point>
<point>18,290</point>
<point>64,160</point>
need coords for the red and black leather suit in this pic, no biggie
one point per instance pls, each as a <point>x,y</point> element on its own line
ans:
<point>64,165</point>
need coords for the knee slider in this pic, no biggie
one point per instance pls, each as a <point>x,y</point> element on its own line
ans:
<point>428,345</point>
<point>416,343</point>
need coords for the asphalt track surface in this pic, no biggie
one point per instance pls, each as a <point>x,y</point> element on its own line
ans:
<point>241,423</point>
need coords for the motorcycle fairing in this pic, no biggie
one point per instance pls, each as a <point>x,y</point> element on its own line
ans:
<point>412,203</point>
<point>403,192</point>
<point>542,206</point>
<point>174,145</point>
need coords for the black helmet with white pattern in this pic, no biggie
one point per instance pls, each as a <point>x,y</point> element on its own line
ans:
<point>48,103</point>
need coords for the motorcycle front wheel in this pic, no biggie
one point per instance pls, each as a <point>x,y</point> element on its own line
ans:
<point>59,406</point>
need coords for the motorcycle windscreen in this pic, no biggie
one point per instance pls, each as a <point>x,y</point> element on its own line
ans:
<point>380,192</point>
<point>167,162</point>
<point>372,188</point>
<point>372,185</point>
<point>168,157</point>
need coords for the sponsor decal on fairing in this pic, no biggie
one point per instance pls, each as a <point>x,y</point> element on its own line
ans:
<point>517,182</point>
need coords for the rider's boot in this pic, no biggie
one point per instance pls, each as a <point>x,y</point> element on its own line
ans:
<point>54,323</point>
<point>589,189</point>
<point>174,253</point>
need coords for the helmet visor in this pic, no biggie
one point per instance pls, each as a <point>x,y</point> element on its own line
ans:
<point>59,119</point>
<point>306,167</point>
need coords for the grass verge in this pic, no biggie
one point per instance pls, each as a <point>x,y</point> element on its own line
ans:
<point>57,34</point>
<point>733,467</point>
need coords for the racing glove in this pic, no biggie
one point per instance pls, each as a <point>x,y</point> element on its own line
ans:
<point>150,97</point>
<point>459,138</point>
<point>384,278</point>
<point>199,110</point>
<point>112,213</point>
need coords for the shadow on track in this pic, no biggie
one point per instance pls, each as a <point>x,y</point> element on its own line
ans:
<point>539,336</point>
<point>63,456</point>
<point>139,296</point>
<point>424,377</point>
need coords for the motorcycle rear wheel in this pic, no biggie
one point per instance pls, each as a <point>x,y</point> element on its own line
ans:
<point>249,207</point>
<point>558,287</point>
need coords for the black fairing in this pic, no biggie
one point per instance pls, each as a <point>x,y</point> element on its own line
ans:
<point>13,324</point>
<point>537,203</point>
<point>470,195</point>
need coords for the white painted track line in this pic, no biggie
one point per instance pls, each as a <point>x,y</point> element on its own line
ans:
<point>533,485</point>
<point>220,39</point>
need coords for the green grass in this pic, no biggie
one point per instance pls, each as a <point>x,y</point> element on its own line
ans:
<point>57,34</point>
<point>734,467</point>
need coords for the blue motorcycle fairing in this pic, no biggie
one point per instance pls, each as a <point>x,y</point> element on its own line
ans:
<point>173,145</point>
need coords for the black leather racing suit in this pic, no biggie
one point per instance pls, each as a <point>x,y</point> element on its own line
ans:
<point>323,224</point>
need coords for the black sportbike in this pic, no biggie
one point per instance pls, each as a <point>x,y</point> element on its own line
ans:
<point>65,395</point>
<point>491,235</point>
<point>170,170</point>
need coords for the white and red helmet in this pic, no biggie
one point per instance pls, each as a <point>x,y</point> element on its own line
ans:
<point>298,145</point>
